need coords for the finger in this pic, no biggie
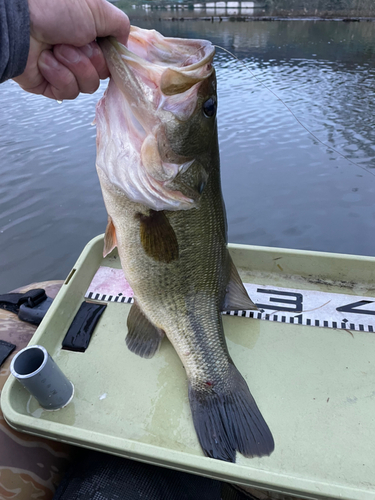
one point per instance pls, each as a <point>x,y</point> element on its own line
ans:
<point>80,65</point>
<point>61,82</point>
<point>111,21</point>
<point>94,53</point>
<point>31,80</point>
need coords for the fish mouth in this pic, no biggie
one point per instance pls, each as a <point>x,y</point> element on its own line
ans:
<point>153,80</point>
<point>172,64</point>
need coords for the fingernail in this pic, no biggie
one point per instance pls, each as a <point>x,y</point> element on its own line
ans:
<point>48,60</point>
<point>88,50</point>
<point>71,54</point>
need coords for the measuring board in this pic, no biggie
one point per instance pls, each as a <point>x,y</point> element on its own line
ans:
<point>284,305</point>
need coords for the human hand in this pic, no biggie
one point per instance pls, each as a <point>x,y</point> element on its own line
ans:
<point>64,58</point>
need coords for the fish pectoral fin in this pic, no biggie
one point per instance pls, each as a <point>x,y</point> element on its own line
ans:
<point>236,297</point>
<point>158,238</point>
<point>110,240</point>
<point>227,419</point>
<point>143,337</point>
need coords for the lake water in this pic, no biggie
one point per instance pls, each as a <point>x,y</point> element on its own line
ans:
<point>281,186</point>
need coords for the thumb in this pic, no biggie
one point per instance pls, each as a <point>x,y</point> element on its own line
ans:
<point>110,21</point>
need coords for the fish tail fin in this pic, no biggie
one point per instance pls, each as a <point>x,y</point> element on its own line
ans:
<point>227,419</point>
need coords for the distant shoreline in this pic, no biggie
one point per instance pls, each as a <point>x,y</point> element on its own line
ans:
<point>269,18</point>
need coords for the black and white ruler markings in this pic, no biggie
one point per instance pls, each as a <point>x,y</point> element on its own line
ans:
<point>284,305</point>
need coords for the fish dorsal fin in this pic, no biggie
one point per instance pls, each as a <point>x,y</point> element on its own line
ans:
<point>237,297</point>
<point>110,240</point>
<point>158,238</point>
<point>143,337</point>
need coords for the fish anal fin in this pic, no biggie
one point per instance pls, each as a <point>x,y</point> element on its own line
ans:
<point>227,419</point>
<point>236,297</point>
<point>143,337</point>
<point>158,238</point>
<point>110,240</point>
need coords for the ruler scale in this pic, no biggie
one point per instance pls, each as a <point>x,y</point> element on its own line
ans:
<point>278,304</point>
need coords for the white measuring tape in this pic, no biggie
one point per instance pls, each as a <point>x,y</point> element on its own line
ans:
<point>284,305</point>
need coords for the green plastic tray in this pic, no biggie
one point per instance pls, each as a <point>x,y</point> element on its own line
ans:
<point>315,386</point>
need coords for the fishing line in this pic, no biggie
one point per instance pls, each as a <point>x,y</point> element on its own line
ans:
<point>293,114</point>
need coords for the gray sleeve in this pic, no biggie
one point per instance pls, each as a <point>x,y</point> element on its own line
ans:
<point>14,37</point>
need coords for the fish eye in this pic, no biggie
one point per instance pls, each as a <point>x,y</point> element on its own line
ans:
<point>209,107</point>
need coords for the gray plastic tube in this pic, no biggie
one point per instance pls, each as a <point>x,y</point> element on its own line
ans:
<point>41,376</point>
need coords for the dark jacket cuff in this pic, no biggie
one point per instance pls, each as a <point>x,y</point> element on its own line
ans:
<point>14,37</point>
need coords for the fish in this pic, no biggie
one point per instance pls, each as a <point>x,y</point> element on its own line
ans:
<point>159,170</point>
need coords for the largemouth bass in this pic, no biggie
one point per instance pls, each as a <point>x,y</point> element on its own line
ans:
<point>158,165</point>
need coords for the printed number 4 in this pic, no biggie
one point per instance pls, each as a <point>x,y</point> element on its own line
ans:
<point>352,308</point>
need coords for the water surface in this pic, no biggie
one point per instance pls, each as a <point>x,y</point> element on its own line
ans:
<point>281,187</point>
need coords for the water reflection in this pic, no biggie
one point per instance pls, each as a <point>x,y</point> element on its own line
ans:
<point>281,187</point>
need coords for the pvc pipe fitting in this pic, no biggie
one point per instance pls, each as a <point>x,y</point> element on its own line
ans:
<point>41,376</point>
